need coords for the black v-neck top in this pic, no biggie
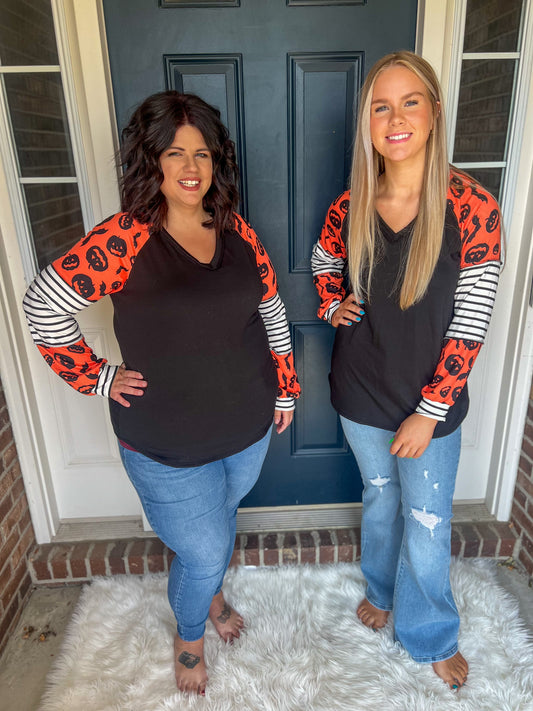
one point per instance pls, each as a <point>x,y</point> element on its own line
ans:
<point>193,330</point>
<point>380,365</point>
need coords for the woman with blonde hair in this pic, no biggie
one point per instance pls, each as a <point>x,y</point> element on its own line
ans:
<point>406,268</point>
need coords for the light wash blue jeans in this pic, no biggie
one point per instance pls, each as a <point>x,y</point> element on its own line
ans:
<point>406,537</point>
<point>193,510</point>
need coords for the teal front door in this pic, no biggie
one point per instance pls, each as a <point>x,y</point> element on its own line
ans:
<point>285,75</point>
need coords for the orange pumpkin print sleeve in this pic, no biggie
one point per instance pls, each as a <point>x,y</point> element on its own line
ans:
<point>329,258</point>
<point>272,312</point>
<point>479,220</point>
<point>97,265</point>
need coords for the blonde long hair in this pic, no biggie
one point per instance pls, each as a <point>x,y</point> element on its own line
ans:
<point>367,164</point>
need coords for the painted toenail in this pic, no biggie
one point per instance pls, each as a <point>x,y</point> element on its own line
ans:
<point>455,686</point>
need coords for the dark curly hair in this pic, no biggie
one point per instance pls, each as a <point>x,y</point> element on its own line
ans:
<point>150,131</point>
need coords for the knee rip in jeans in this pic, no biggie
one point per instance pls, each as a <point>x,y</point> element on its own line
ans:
<point>428,520</point>
<point>380,481</point>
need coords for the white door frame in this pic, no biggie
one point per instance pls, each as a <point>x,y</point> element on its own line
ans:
<point>83,40</point>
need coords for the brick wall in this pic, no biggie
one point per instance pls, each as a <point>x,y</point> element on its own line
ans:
<point>522,509</point>
<point>16,531</point>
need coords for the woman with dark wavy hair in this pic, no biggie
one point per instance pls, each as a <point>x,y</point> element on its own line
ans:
<point>208,364</point>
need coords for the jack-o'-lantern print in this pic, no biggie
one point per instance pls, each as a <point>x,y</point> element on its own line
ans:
<point>335,219</point>
<point>493,221</point>
<point>470,345</point>
<point>477,253</point>
<point>97,259</point>
<point>465,212</point>
<point>70,262</point>
<point>86,389</point>
<point>75,348</point>
<point>83,285</point>
<point>68,376</point>
<point>454,364</point>
<point>117,246</point>
<point>125,222</point>
<point>344,206</point>
<point>65,360</point>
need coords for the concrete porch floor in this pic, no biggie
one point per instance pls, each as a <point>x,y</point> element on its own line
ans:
<point>36,643</point>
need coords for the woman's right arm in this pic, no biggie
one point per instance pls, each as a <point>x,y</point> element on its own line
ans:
<point>327,262</point>
<point>97,265</point>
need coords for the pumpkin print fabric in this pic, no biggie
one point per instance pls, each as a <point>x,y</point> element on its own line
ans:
<point>403,345</point>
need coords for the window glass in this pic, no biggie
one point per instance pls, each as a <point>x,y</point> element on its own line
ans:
<point>55,218</point>
<point>27,33</point>
<point>484,110</point>
<point>38,118</point>
<point>489,178</point>
<point>492,25</point>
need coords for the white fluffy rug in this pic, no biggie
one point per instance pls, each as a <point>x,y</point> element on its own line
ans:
<point>304,649</point>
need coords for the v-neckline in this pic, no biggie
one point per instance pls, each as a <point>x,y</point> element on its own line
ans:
<point>217,256</point>
<point>393,234</point>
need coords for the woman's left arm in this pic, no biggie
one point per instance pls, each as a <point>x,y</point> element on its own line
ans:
<point>272,312</point>
<point>479,221</point>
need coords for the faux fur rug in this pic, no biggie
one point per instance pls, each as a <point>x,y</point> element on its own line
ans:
<point>303,650</point>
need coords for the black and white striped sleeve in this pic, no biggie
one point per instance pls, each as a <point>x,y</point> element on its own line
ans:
<point>272,312</point>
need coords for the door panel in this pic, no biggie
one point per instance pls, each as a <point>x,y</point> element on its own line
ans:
<point>285,76</point>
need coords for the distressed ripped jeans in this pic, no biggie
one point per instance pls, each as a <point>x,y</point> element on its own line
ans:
<point>406,537</point>
<point>193,510</point>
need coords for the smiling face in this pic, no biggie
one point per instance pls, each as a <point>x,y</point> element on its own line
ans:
<point>401,116</point>
<point>187,168</point>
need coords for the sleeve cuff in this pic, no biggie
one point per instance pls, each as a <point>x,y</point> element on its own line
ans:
<point>285,403</point>
<point>331,310</point>
<point>434,410</point>
<point>105,379</point>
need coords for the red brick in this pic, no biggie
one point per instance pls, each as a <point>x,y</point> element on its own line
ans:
<point>236,558</point>
<point>524,483</point>
<point>25,587</point>
<point>15,515</point>
<point>5,507</point>
<point>524,520</point>
<point>526,561</point>
<point>9,456</point>
<point>345,545</point>
<point>456,540</point>
<point>17,490</point>
<point>289,553</point>
<point>527,544</point>
<point>520,498</point>
<point>530,411</point>
<point>489,540</point>
<point>307,548</point>
<point>525,465</point>
<point>78,560</point>
<point>5,577</point>
<point>527,448</point>
<point>58,561</point>
<point>472,541</point>
<point>251,549</point>
<point>6,549</point>
<point>356,532</point>
<point>136,557</point>
<point>25,523</point>
<point>6,438</point>
<point>6,482</point>
<point>12,588</point>
<point>23,546</point>
<point>97,558</point>
<point>155,555</point>
<point>327,547</point>
<point>116,558</point>
<point>270,549</point>
<point>507,537</point>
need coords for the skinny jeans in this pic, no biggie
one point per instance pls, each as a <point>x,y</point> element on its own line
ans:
<point>193,510</point>
<point>406,537</point>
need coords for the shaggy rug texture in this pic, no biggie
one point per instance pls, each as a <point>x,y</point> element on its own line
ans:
<point>303,649</point>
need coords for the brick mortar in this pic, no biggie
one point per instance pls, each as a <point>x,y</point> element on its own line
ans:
<point>471,538</point>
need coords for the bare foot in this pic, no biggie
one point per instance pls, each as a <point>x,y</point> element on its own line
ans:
<point>189,665</point>
<point>228,623</point>
<point>372,616</point>
<point>453,670</point>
